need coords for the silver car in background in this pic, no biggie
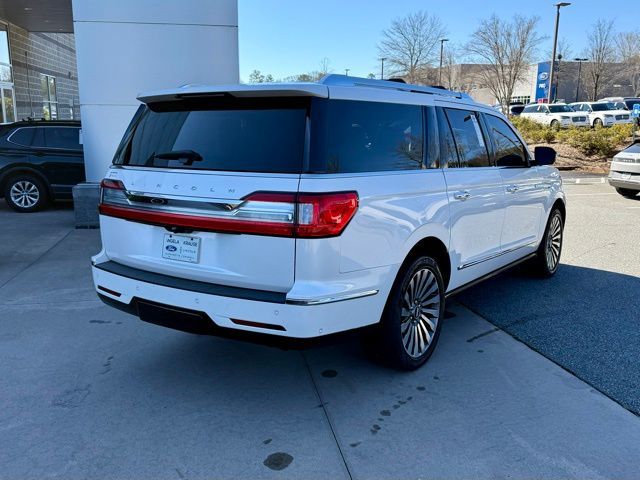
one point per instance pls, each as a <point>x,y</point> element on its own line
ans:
<point>625,171</point>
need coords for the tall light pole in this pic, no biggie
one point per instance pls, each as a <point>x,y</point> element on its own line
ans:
<point>382,67</point>
<point>579,60</point>
<point>555,46</point>
<point>442,40</point>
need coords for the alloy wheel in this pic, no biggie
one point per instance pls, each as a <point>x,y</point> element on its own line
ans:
<point>554,243</point>
<point>420,312</point>
<point>25,194</point>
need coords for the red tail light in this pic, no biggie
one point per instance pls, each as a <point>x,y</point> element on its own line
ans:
<point>302,215</point>
<point>325,214</point>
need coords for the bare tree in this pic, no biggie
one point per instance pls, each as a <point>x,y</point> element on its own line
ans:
<point>325,67</point>
<point>410,45</point>
<point>506,48</point>
<point>628,46</point>
<point>449,63</point>
<point>601,53</point>
<point>564,50</point>
<point>257,77</point>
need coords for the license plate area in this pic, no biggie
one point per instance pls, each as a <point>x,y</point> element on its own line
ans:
<point>181,248</point>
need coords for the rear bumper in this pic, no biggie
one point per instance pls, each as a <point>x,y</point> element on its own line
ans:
<point>200,307</point>
<point>630,184</point>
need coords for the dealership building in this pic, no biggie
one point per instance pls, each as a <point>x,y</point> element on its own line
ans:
<point>571,80</point>
<point>38,73</point>
<point>87,59</point>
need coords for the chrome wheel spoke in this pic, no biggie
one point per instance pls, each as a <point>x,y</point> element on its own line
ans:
<point>554,243</point>
<point>24,194</point>
<point>420,312</point>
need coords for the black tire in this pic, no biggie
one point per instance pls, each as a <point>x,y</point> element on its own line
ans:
<point>597,123</point>
<point>421,281</point>
<point>626,192</point>
<point>555,124</point>
<point>547,258</point>
<point>25,193</point>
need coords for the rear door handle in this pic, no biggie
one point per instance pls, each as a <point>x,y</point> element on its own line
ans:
<point>462,195</point>
<point>513,188</point>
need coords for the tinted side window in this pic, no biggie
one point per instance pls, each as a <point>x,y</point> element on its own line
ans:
<point>509,150</point>
<point>62,137</point>
<point>470,143</point>
<point>529,109</point>
<point>22,136</point>
<point>352,136</point>
<point>448,153</point>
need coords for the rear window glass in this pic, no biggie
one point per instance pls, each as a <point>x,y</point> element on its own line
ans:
<point>352,136</point>
<point>269,140</point>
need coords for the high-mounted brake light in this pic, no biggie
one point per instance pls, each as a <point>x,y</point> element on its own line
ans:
<point>282,214</point>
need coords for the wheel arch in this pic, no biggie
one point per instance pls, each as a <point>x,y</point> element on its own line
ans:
<point>15,170</point>
<point>433,247</point>
<point>560,205</point>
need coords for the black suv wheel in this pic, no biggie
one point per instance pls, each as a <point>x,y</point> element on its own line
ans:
<point>25,193</point>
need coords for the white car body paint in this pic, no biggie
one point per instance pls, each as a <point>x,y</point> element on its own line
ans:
<point>331,284</point>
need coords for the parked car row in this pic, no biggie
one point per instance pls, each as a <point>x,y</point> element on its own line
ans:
<point>580,114</point>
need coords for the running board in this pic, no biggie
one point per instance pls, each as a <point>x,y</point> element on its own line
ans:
<point>489,275</point>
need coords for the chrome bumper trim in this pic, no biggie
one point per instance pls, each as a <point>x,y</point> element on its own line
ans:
<point>323,300</point>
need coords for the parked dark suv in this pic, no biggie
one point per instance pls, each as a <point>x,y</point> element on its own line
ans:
<point>40,161</point>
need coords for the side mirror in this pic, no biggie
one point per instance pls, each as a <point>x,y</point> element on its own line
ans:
<point>544,155</point>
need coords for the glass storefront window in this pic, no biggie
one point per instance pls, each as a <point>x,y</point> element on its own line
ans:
<point>5,62</point>
<point>49,99</point>
<point>9,108</point>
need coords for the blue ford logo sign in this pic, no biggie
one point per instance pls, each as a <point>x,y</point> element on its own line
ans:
<point>171,248</point>
<point>543,76</point>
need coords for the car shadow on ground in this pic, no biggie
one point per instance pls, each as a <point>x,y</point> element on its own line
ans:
<point>584,319</point>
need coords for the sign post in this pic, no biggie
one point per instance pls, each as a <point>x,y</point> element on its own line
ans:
<point>635,113</point>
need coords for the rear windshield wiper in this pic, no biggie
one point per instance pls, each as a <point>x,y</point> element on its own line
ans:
<point>189,156</point>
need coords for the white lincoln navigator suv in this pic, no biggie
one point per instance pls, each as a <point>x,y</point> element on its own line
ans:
<point>302,210</point>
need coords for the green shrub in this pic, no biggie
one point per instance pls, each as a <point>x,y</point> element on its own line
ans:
<point>534,132</point>
<point>602,142</point>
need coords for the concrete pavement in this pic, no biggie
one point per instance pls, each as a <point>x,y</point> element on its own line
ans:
<point>585,318</point>
<point>87,391</point>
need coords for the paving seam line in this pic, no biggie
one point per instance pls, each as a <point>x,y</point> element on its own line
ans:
<point>37,259</point>
<point>595,387</point>
<point>326,414</point>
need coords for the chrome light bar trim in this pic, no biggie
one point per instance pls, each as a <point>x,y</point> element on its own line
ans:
<point>324,300</point>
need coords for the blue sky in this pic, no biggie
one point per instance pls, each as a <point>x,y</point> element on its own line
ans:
<point>285,37</point>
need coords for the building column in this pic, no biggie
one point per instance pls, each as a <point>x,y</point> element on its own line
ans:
<point>125,48</point>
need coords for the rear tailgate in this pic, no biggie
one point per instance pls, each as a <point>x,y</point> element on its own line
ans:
<point>243,260</point>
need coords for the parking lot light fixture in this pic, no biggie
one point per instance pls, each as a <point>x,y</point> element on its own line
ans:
<point>579,60</point>
<point>442,40</point>
<point>555,46</point>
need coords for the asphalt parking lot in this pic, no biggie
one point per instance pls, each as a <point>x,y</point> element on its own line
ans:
<point>532,379</point>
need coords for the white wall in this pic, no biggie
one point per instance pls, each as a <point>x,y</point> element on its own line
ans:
<point>125,47</point>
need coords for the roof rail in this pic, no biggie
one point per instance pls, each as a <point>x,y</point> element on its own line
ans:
<point>347,81</point>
